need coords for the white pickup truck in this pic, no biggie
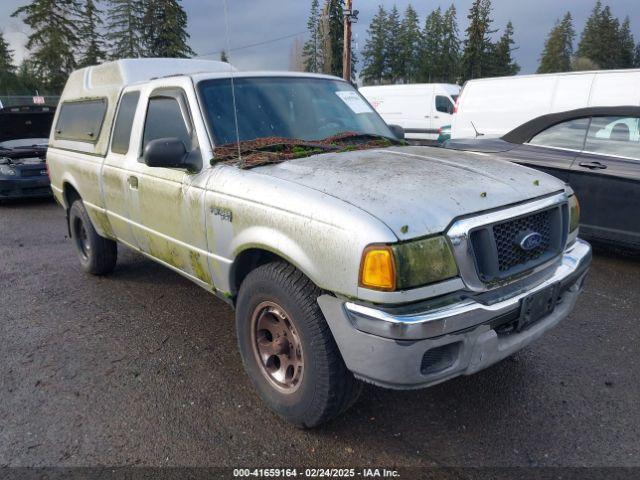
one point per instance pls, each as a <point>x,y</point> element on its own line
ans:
<point>347,255</point>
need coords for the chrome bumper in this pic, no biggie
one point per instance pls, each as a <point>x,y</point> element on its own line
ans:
<point>464,314</point>
<point>420,350</point>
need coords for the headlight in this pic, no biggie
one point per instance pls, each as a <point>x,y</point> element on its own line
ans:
<point>574,213</point>
<point>407,265</point>
<point>7,170</point>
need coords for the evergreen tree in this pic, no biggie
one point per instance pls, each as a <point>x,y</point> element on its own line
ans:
<point>636,57</point>
<point>53,39</point>
<point>125,28</point>
<point>165,30</point>
<point>335,37</point>
<point>558,48</point>
<point>431,47</point>
<point>373,55</point>
<point>600,37</point>
<point>627,45</point>
<point>478,47</point>
<point>503,63</point>
<point>312,50</point>
<point>450,47</point>
<point>394,70</point>
<point>224,57</point>
<point>93,48</point>
<point>410,42</point>
<point>26,79</point>
<point>410,39</point>
<point>8,79</point>
<point>610,56</point>
<point>589,47</point>
<point>6,57</point>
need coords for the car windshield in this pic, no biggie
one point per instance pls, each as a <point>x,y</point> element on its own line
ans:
<point>25,142</point>
<point>289,110</point>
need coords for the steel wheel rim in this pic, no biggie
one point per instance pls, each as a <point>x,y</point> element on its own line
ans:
<point>277,347</point>
<point>82,238</point>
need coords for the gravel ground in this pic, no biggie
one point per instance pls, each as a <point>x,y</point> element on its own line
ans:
<point>141,368</point>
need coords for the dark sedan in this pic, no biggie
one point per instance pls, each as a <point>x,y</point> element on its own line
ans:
<point>595,150</point>
<point>24,134</point>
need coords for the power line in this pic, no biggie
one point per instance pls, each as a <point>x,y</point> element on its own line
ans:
<point>244,47</point>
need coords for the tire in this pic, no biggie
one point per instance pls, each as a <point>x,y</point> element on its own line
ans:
<point>97,254</point>
<point>277,305</point>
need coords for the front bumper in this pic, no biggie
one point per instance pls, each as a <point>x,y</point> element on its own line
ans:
<point>419,350</point>
<point>31,187</point>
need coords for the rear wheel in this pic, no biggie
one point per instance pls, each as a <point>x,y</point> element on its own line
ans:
<point>97,254</point>
<point>287,347</point>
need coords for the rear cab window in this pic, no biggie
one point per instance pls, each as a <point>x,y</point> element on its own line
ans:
<point>124,122</point>
<point>616,136</point>
<point>81,121</point>
<point>569,135</point>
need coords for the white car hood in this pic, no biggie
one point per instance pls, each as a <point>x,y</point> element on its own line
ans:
<point>417,191</point>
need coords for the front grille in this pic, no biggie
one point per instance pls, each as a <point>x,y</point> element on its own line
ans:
<point>497,250</point>
<point>506,235</point>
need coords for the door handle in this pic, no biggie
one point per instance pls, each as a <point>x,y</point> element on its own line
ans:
<point>427,116</point>
<point>436,116</point>
<point>133,182</point>
<point>593,165</point>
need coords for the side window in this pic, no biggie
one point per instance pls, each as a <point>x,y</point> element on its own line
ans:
<point>124,122</point>
<point>444,105</point>
<point>617,136</point>
<point>165,120</point>
<point>569,134</point>
<point>81,121</point>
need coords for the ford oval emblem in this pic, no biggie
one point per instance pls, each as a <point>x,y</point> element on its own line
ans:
<point>529,241</point>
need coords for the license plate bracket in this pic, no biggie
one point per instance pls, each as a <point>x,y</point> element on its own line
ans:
<point>538,305</point>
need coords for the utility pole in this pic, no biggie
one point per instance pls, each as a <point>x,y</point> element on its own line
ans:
<point>350,16</point>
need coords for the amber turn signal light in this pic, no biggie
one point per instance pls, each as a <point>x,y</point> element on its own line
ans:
<point>377,269</point>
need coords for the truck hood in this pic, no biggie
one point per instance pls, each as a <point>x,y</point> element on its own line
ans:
<point>416,191</point>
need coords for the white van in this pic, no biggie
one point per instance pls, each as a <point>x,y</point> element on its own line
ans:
<point>492,107</point>
<point>421,108</point>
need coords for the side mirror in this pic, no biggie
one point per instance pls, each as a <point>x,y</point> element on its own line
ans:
<point>398,131</point>
<point>167,153</point>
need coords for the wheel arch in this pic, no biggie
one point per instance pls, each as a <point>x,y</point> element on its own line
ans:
<point>252,257</point>
<point>69,194</point>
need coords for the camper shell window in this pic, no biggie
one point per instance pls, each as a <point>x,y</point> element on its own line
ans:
<point>81,121</point>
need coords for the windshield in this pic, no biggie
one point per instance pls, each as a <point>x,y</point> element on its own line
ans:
<point>25,142</point>
<point>301,108</point>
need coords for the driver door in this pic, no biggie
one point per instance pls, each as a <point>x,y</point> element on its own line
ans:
<point>167,204</point>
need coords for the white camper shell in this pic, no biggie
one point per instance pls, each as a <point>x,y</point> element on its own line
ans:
<point>421,108</point>
<point>491,107</point>
<point>101,86</point>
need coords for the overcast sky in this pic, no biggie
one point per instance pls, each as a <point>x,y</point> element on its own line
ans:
<point>256,21</point>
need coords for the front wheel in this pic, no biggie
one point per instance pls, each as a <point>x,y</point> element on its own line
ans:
<point>287,347</point>
<point>97,254</point>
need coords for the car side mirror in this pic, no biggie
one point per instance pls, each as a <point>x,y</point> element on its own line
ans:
<point>167,153</point>
<point>398,131</point>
